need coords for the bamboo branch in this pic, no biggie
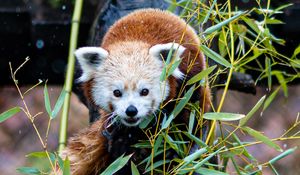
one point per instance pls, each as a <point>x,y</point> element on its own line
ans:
<point>70,74</point>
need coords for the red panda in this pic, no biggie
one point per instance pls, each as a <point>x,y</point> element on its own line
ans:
<point>122,78</point>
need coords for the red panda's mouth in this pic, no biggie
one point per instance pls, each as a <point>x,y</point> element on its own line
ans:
<point>131,121</point>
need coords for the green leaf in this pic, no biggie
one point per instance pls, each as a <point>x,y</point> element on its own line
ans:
<point>9,113</point>
<point>222,116</point>
<point>37,154</point>
<point>201,75</point>
<point>191,121</point>
<point>215,56</point>
<point>198,165</point>
<point>270,99</point>
<point>183,101</point>
<point>116,165</point>
<point>156,164</point>
<point>223,23</point>
<point>146,122</point>
<point>260,137</point>
<point>296,52</point>
<point>251,23</point>
<point>166,123</point>
<point>29,170</point>
<point>209,12</point>
<point>295,63</point>
<point>163,75</point>
<point>59,103</point>
<point>281,81</point>
<point>195,139</point>
<point>244,120</point>
<point>47,101</point>
<point>273,21</point>
<point>197,154</point>
<point>172,67</point>
<point>268,72</point>
<point>209,171</point>
<point>282,155</point>
<point>134,170</point>
<point>66,170</point>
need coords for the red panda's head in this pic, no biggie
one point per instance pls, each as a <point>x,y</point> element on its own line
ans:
<point>126,78</point>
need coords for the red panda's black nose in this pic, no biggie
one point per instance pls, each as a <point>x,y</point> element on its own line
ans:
<point>131,111</point>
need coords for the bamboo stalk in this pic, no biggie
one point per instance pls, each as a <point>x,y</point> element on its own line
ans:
<point>70,74</point>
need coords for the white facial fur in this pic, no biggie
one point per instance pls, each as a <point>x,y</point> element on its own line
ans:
<point>129,67</point>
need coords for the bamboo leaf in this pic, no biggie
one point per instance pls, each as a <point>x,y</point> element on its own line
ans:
<point>282,155</point>
<point>166,123</point>
<point>210,171</point>
<point>191,121</point>
<point>223,23</point>
<point>37,154</point>
<point>244,120</point>
<point>260,137</point>
<point>183,101</point>
<point>195,139</point>
<point>146,122</point>
<point>66,170</point>
<point>201,75</point>
<point>222,116</point>
<point>296,52</point>
<point>270,99</point>
<point>134,169</point>
<point>268,72</point>
<point>58,105</point>
<point>29,170</point>
<point>282,82</point>
<point>198,165</point>
<point>156,164</point>
<point>9,113</point>
<point>209,12</point>
<point>116,165</point>
<point>47,101</point>
<point>215,56</point>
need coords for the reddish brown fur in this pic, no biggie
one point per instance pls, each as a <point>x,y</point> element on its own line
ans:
<point>87,150</point>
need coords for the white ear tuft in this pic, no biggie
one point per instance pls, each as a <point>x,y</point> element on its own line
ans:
<point>178,50</point>
<point>89,59</point>
<point>157,49</point>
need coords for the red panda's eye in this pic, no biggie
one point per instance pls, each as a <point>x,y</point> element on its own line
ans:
<point>144,92</point>
<point>117,93</point>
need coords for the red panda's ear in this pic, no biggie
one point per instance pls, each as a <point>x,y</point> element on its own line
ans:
<point>161,51</point>
<point>89,59</point>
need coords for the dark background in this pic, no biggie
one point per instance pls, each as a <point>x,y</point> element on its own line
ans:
<point>40,29</point>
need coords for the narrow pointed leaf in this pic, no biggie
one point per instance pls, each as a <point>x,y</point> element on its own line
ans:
<point>201,75</point>
<point>282,155</point>
<point>198,165</point>
<point>210,171</point>
<point>116,165</point>
<point>191,121</point>
<point>66,170</point>
<point>47,101</point>
<point>183,101</point>
<point>58,105</point>
<point>134,170</point>
<point>156,164</point>
<point>268,72</point>
<point>223,23</point>
<point>260,137</point>
<point>29,170</point>
<point>270,98</point>
<point>223,116</point>
<point>9,113</point>
<point>215,56</point>
<point>243,121</point>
